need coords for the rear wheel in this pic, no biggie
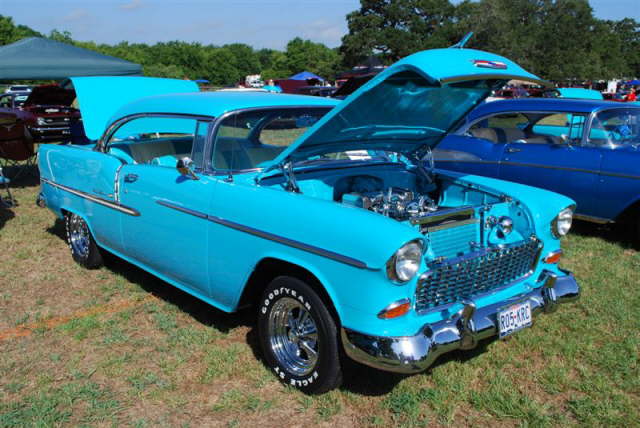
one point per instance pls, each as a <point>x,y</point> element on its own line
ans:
<point>83,247</point>
<point>298,336</point>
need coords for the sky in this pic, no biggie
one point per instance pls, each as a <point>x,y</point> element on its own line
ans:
<point>259,23</point>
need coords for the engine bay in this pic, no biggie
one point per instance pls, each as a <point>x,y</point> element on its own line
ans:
<point>394,202</point>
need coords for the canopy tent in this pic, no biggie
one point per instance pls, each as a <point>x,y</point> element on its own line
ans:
<point>634,82</point>
<point>305,75</point>
<point>35,58</point>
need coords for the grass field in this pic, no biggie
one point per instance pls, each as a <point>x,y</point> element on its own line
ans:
<point>116,346</point>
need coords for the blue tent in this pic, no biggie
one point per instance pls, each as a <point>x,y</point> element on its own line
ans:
<point>633,82</point>
<point>305,75</point>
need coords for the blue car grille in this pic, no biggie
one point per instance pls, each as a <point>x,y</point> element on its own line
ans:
<point>474,274</point>
<point>454,241</point>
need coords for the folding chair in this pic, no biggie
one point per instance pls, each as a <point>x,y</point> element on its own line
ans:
<point>6,201</point>
<point>17,150</point>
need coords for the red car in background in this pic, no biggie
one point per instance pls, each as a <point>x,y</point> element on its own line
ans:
<point>53,114</point>
<point>47,112</point>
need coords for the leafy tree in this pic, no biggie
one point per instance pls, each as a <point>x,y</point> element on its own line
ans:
<point>628,31</point>
<point>393,29</point>
<point>10,32</point>
<point>304,55</point>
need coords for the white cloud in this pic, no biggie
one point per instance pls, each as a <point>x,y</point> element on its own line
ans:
<point>323,31</point>
<point>76,15</point>
<point>132,5</point>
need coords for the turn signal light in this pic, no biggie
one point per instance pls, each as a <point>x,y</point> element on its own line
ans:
<point>395,310</point>
<point>553,257</point>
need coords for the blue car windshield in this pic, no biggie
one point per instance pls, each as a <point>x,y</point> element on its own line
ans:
<point>616,126</point>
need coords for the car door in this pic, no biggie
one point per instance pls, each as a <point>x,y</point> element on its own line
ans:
<point>616,133</point>
<point>170,234</point>
<point>478,147</point>
<point>552,156</point>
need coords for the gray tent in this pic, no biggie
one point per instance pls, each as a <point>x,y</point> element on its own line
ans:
<point>36,58</point>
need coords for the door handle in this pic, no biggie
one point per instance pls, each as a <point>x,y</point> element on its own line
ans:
<point>513,150</point>
<point>130,178</point>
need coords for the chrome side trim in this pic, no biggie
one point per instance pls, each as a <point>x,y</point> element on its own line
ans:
<point>462,330</point>
<point>182,209</point>
<point>535,165</point>
<point>269,236</point>
<point>100,201</point>
<point>592,219</point>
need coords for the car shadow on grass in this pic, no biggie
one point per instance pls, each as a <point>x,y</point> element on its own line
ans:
<point>363,380</point>
<point>620,234</point>
<point>196,308</point>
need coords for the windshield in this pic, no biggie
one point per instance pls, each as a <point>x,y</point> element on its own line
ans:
<point>249,140</point>
<point>617,126</point>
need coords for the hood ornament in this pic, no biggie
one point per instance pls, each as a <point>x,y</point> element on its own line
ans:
<point>461,43</point>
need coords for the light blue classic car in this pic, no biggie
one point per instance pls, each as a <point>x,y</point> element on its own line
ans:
<point>322,214</point>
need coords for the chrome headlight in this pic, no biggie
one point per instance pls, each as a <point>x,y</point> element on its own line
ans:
<point>404,264</point>
<point>41,121</point>
<point>562,223</point>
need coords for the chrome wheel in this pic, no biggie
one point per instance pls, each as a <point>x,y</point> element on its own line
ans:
<point>79,236</point>
<point>293,336</point>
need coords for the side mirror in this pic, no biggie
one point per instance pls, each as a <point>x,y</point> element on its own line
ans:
<point>184,167</point>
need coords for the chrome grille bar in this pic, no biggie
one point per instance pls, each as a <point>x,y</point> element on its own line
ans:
<point>476,273</point>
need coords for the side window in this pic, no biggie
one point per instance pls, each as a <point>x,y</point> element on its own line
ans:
<point>561,124</point>
<point>249,140</point>
<point>154,140</point>
<point>501,128</point>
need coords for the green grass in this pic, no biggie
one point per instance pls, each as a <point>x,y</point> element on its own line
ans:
<point>138,352</point>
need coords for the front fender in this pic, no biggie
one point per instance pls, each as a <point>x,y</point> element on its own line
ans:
<point>542,205</point>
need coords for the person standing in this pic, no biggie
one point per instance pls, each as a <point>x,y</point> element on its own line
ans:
<point>631,96</point>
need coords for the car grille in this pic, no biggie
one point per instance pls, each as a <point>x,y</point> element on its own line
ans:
<point>453,241</point>
<point>465,277</point>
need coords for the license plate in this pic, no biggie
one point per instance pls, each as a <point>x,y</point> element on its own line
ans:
<point>514,318</point>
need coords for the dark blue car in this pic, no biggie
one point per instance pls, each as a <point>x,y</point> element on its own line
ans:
<point>584,149</point>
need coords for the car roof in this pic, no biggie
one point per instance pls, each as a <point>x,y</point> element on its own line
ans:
<point>545,104</point>
<point>218,103</point>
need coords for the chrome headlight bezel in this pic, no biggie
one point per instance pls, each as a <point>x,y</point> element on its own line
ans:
<point>561,224</point>
<point>404,265</point>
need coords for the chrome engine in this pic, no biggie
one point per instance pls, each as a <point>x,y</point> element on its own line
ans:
<point>397,203</point>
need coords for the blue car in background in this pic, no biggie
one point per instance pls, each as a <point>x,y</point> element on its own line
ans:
<point>322,214</point>
<point>587,150</point>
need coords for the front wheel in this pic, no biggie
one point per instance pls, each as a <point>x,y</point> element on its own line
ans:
<point>84,249</point>
<point>298,336</point>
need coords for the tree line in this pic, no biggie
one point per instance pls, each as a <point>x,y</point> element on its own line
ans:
<point>556,39</point>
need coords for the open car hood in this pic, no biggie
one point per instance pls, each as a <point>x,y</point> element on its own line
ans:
<point>409,106</point>
<point>99,98</point>
<point>50,95</point>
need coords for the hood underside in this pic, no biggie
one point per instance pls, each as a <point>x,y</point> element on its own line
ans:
<point>411,105</point>
<point>50,95</point>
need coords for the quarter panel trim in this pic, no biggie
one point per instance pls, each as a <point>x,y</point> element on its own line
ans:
<point>100,201</point>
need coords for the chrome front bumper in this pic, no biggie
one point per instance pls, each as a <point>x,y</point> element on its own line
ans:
<point>412,354</point>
